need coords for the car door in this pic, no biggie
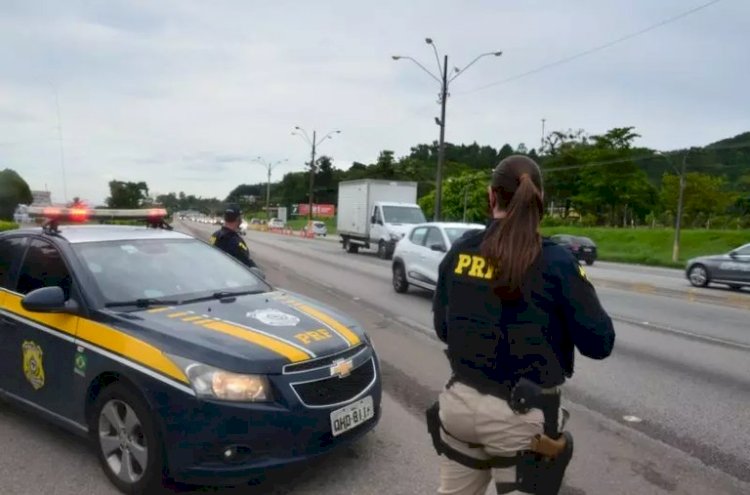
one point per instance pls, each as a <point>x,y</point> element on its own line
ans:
<point>40,346</point>
<point>412,254</point>
<point>742,259</point>
<point>377,225</point>
<point>11,252</point>
<point>435,247</point>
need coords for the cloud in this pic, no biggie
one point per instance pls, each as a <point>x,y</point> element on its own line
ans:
<point>183,93</point>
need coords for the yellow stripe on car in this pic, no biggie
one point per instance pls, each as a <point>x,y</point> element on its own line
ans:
<point>288,351</point>
<point>102,336</point>
<point>351,337</point>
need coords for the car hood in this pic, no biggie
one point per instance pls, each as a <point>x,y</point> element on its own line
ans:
<point>400,229</point>
<point>257,333</point>
<point>710,258</point>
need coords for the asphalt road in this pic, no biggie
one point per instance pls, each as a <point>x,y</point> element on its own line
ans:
<point>684,374</point>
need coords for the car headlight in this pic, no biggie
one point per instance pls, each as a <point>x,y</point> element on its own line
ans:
<point>214,383</point>
<point>395,237</point>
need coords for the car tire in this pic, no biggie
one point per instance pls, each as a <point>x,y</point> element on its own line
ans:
<point>352,248</point>
<point>735,286</point>
<point>119,406</point>
<point>698,275</point>
<point>589,262</point>
<point>400,284</point>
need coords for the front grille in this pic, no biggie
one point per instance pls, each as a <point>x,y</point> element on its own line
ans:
<point>335,390</point>
<point>323,362</point>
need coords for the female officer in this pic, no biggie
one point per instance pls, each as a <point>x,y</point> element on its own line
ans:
<point>512,307</point>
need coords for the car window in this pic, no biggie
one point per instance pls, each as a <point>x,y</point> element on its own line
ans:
<point>377,215</point>
<point>11,250</point>
<point>162,268</point>
<point>434,237</point>
<point>744,251</point>
<point>455,233</point>
<point>43,266</point>
<point>585,241</point>
<point>418,235</point>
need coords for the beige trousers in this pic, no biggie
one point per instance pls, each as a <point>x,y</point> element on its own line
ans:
<point>473,418</point>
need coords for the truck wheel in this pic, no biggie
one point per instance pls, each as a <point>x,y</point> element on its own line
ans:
<point>400,284</point>
<point>382,250</point>
<point>352,248</point>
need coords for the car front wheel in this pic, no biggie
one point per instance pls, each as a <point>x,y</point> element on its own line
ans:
<point>400,284</point>
<point>127,442</point>
<point>698,276</point>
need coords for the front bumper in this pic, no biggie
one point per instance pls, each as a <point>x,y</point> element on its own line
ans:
<point>197,433</point>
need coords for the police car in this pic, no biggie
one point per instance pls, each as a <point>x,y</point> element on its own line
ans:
<point>173,357</point>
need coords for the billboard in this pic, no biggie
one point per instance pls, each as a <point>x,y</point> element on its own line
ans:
<point>319,210</point>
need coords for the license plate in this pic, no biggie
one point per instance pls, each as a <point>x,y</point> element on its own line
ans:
<point>351,416</point>
<point>588,250</point>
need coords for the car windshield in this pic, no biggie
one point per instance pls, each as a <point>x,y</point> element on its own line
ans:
<point>454,233</point>
<point>585,241</point>
<point>163,269</point>
<point>403,214</point>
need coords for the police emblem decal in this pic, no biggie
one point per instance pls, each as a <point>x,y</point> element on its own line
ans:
<point>274,318</point>
<point>33,365</point>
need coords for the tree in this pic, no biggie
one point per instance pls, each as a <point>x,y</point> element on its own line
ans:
<point>127,194</point>
<point>470,187</point>
<point>13,191</point>
<point>705,196</point>
<point>505,152</point>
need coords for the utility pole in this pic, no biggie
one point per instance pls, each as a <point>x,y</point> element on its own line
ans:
<point>441,145</point>
<point>680,202</point>
<point>314,143</point>
<point>541,146</point>
<point>442,79</point>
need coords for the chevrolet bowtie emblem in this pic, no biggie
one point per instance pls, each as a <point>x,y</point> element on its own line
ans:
<point>342,368</point>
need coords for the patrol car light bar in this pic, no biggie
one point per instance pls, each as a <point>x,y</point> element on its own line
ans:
<point>81,214</point>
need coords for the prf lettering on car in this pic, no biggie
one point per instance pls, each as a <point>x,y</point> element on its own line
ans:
<point>474,266</point>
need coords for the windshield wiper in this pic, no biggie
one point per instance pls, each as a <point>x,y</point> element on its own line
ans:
<point>142,303</point>
<point>223,295</point>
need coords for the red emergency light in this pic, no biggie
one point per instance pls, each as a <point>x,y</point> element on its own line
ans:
<point>80,214</point>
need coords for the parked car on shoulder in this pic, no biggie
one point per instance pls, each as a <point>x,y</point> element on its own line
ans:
<point>276,223</point>
<point>318,228</point>
<point>732,269</point>
<point>583,248</point>
<point>417,256</point>
<point>243,227</point>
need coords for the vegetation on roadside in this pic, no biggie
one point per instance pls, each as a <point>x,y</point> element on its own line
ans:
<point>654,246</point>
<point>7,225</point>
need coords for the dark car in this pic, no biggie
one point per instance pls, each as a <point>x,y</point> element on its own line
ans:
<point>583,248</point>
<point>173,357</point>
<point>732,269</point>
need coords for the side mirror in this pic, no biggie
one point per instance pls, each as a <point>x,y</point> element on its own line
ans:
<point>48,300</point>
<point>372,219</point>
<point>733,254</point>
<point>438,247</point>
<point>258,272</point>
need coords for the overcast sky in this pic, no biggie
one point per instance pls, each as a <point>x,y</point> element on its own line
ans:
<point>183,93</point>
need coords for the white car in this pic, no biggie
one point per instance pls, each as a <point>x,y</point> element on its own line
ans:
<point>276,223</point>
<point>243,227</point>
<point>318,228</point>
<point>417,256</point>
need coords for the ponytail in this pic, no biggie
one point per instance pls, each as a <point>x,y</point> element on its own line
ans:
<point>512,246</point>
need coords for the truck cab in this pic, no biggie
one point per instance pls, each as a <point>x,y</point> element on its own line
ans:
<point>389,224</point>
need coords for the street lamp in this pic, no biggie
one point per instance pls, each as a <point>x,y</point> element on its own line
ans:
<point>269,167</point>
<point>314,143</point>
<point>444,81</point>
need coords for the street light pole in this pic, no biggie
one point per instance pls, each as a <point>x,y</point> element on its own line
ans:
<point>314,143</point>
<point>444,82</point>
<point>312,181</point>
<point>269,168</point>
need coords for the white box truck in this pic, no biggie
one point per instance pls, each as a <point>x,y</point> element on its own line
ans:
<point>376,213</point>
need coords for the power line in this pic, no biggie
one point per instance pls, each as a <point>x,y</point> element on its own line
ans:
<point>595,49</point>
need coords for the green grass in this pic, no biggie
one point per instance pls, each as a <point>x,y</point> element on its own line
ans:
<point>654,246</point>
<point>4,225</point>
